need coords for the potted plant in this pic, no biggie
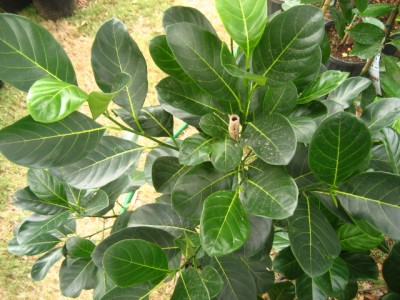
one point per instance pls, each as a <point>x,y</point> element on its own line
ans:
<point>279,160</point>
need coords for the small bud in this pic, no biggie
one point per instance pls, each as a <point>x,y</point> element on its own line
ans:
<point>234,127</point>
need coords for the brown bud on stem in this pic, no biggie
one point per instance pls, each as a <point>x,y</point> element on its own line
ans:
<point>234,127</point>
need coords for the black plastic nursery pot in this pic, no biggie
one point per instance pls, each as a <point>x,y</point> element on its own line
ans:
<point>13,6</point>
<point>55,9</point>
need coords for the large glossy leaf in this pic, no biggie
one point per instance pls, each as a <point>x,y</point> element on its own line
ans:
<point>272,138</point>
<point>280,99</point>
<point>224,226</point>
<point>111,158</point>
<point>26,199</point>
<point>50,100</point>
<point>152,156</point>
<point>363,198</point>
<point>42,266</point>
<point>136,292</point>
<point>304,128</point>
<point>244,20</point>
<point>299,169</point>
<point>186,96</point>
<point>263,277</point>
<point>195,186</point>
<point>214,124</point>
<point>352,238</point>
<point>386,157</point>
<point>306,289</point>
<point>346,93</point>
<point>115,52</point>
<point>28,47</point>
<point>391,268</point>
<point>322,85</point>
<point>159,215</point>
<point>239,284</point>
<point>339,146</point>
<point>46,186</point>
<point>212,280</point>
<point>40,244</point>
<point>79,247</point>
<point>37,145</point>
<point>198,52</point>
<point>361,265</point>
<point>195,150</point>
<point>282,291</point>
<point>290,43</point>
<point>382,113</point>
<point>270,192</point>
<point>76,276</point>
<point>132,261</point>
<point>285,263</point>
<point>391,67</point>
<point>313,241</point>
<point>190,286</point>
<point>226,154</point>
<point>94,202</point>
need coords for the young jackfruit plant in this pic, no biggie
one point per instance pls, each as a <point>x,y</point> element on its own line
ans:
<point>287,158</point>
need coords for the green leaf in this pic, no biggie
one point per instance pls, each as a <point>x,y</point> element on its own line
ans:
<point>212,280</point>
<point>366,51</point>
<point>244,21</point>
<point>186,96</point>
<point>46,186</point>
<point>322,85</point>
<point>190,286</point>
<point>282,291</point>
<point>50,100</point>
<point>306,289</point>
<point>198,53</point>
<point>392,68</point>
<point>165,60</point>
<point>304,128</point>
<point>226,154</point>
<point>286,264</point>
<point>362,266</point>
<point>79,247</point>
<point>270,192</point>
<point>272,139</point>
<point>386,157</point>
<point>153,120</point>
<point>44,263</point>
<point>352,238</point>
<point>194,150</point>
<point>339,146</point>
<point>25,199</point>
<point>182,14</point>
<point>391,268</point>
<point>214,124</point>
<point>115,52</point>
<point>36,225</point>
<point>390,86</point>
<point>37,245</point>
<point>132,261</point>
<point>94,202</point>
<point>263,278</point>
<point>391,296</point>
<point>137,292</point>
<point>224,226</point>
<point>313,241</point>
<point>26,46</point>
<point>159,215</point>
<point>362,197</point>
<point>37,145</point>
<point>378,10</point>
<point>366,33</point>
<point>334,281</point>
<point>290,43</point>
<point>299,169</point>
<point>111,158</point>
<point>280,99</point>
<point>382,113</point>
<point>76,276</point>
<point>238,281</point>
<point>347,92</point>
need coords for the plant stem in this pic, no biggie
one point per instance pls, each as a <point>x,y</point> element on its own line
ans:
<point>325,6</point>
<point>97,232</point>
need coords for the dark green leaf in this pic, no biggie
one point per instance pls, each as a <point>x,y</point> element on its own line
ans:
<point>346,93</point>
<point>390,86</point>
<point>226,154</point>
<point>389,152</point>
<point>366,33</point>
<point>391,269</point>
<point>298,168</point>
<point>362,266</point>
<point>111,158</point>
<point>286,264</point>
<point>28,47</point>
<point>366,51</point>
<point>314,242</point>
<point>352,238</point>
<point>212,280</point>
<point>361,4</point>
<point>304,128</point>
<point>282,291</point>
<point>44,263</point>
<point>76,276</point>
<point>224,226</point>
<point>272,138</point>
<point>339,146</point>
<point>37,245</point>
<point>290,42</point>
<point>392,68</point>
<point>159,215</point>
<point>166,171</point>
<point>195,149</point>
<point>50,100</point>
<point>137,292</point>
<point>306,289</point>
<point>263,277</point>
<point>270,192</point>
<point>347,9</point>
<point>363,198</point>
<point>37,145</point>
<point>378,10</point>
<point>190,286</point>
<point>115,52</point>
<point>132,261</point>
<point>382,113</point>
<point>94,203</point>
<point>36,225</point>
<point>198,52</point>
<point>280,99</point>
<point>391,296</point>
<point>322,85</point>
<point>46,186</point>
<point>214,124</point>
<point>238,281</point>
<point>79,247</point>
